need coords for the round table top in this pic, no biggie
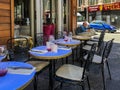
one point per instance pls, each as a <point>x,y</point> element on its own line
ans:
<point>70,43</point>
<point>82,38</point>
<point>13,81</point>
<point>61,53</point>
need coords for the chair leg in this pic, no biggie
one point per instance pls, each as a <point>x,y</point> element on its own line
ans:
<point>83,87</point>
<point>102,67</point>
<point>73,58</point>
<point>88,83</point>
<point>62,61</point>
<point>35,82</point>
<point>108,69</point>
<point>66,60</point>
<point>61,85</point>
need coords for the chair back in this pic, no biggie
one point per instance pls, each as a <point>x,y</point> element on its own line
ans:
<point>18,48</point>
<point>89,58</point>
<point>107,50</point>
<point>100,43</point>
<point>39,39</point>
<point>101,38</point>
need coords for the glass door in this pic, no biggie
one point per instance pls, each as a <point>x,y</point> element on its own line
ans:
<point>66,16</point>
<point>22,17</point>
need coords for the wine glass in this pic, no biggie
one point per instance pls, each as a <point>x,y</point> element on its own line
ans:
<point>48,45</point>
<point>48,49</point>
<point>3,69</point>
<point>66,39</point>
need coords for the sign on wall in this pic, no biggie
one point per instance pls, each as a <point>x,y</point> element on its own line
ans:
<point>104,7</point>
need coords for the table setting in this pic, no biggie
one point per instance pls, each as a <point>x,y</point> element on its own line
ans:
<point>53,53</point>
<point>15,75</point>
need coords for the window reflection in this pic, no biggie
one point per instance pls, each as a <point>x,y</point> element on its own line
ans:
<point>22,17</point>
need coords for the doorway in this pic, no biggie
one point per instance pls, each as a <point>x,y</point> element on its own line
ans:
<point>22,17</point>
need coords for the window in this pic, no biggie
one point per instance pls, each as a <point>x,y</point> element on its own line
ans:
<point>79,2</point>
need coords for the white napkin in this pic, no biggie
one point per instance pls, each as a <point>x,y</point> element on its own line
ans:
<point>38,51</point>
<point>48,44</point>
<point>54,48</point>
<point>21,71</point>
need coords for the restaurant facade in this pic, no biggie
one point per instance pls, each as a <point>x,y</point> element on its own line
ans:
<point>28,17</point>
<point>107,12</point>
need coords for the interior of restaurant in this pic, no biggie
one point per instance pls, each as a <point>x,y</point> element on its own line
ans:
<point>22,17</point>
<point>22,14</point>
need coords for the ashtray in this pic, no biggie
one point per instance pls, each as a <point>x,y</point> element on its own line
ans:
<point>3,72</point>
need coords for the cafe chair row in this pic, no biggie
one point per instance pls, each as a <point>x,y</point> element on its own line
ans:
<point>103,59</point>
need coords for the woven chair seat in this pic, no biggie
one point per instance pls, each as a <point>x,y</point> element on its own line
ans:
<point>91,42</point>
<point>96,59</point>
<point>38,64</point>
<point>87,47</point>
<point>70,72</point>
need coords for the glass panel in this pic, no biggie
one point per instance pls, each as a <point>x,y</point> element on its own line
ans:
<point>22,17</point>
<point>48,11</point>
<point>48,19</point>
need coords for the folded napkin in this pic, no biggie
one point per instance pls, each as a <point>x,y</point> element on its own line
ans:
<point>20,70</point>
<point>38,51</point>
<point>20,67</point>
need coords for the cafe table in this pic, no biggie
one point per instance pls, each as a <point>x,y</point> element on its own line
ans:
<point>90,32</point>
<point>82,38</point>
<point>71,43</point>
<point>41,52</point>
<point>19,75</point>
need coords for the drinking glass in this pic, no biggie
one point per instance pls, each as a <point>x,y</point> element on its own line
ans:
<point>3,69</point>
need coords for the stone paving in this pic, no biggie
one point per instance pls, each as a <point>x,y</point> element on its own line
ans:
<point>95,76</point>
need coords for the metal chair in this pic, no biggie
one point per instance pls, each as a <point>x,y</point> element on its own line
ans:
<point>99,42</point>
<point>102,60</point>
<point>18,48</point>
<point>73,74</point>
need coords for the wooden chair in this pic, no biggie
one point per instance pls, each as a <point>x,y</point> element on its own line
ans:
<point>73,74</point>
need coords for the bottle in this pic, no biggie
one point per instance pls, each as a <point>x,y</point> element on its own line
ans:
<point>27,21</point>
<point>70,36</point>
<point>51,38</point>
<point>64,34</point>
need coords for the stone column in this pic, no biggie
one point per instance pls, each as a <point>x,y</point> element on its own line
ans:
<point>32,18</point>
<point>60,15</point>
<point>39,15</point>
